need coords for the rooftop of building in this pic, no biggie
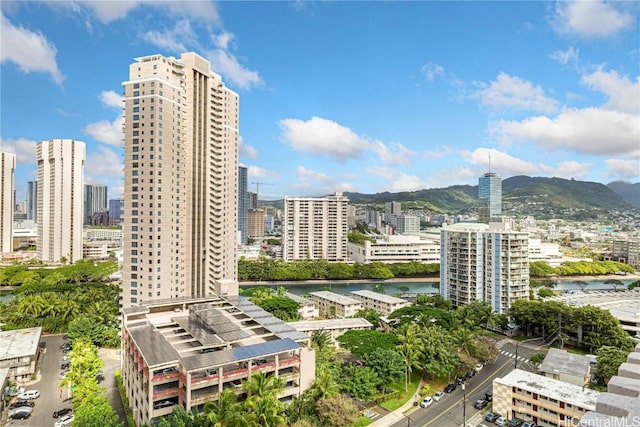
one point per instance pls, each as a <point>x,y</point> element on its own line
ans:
<point>563,362</point>
<point>331,324</point>
<point>335,298</point>
<point>300,300</point>
<point>554,389</point>
<point>387,299</point>
<point>623,305</point>
<point>205,332</point>
<point>19,343</point>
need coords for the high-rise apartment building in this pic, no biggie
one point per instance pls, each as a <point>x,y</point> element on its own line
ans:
<point>60,188</point>
<point>243,203</point>
<point>116,211</point>
<point>408,224</point>
<point>480,262</point>
<point>32,200</point>
<point>95,201</point>
<point>7,173</point>
<point>490,197</point>
<point>255,222</point>
<point>253,200</point>
<point>181,181</point>
<point>392,209</point>
<point>315,228</point>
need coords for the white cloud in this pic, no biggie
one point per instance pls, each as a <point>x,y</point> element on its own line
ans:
<point>508,92</point>
<point>102,162</point>
<point>324,137</point>
<point>174,40</point>
<point>394,154</point>
<point>30,51</point>
<point>223,39</point>
<point>564,57</point>
<point>431,70</point>
<point>623,93</point>
<point>591,18</point>
<point>626,169</point>
<point>112,99</point>
<point>567,169</point>
<point>589,131</point>
<point>258,172</point>
<point>109,11</point>
<point>245,150</point>
<point>504,163</point>
<point>24,149</point>
<point>107,132</point>
<point>319,183</point>
<point>227,64</point>
<point>397,181</point>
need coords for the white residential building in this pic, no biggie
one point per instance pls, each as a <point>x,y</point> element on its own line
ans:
<point>180,170</point>
<point>383,304</point>
<point>391,248</point>
<point>334,327</point>
<point>545,401</point>
<point>315,228</point>
<point>484,262</point>
<point>307,310</point>
<point>331,304</point>
<point>60,199</point>
<point>408,224</point>
<point>7,173</point>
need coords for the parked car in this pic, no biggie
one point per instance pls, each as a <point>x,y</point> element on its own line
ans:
<point>491,417</point>
<point>501,421</point>
<point>479,367</point>
<point>61,412</point>
<point>449,388</point>
<point>470,374</point>
<point>20,413</point>
<point>64,374</point>
<point>515,422</point>
<point>528,424</point>
<point>67,420</point>
<point>162,404</point>
<point>460,380</point>
<point>28,395</point>
<point>426,402</point>
<point>21,403</point>
<point>438,395</point>
<point>488,396</point>
<point>64,366</point>
<point>480,404</point>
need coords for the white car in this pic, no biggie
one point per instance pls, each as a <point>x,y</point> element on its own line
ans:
<point>502,421</point>
<point>478,367</point>
<point>67,420</point>
<point>426,402</point>
<point>438,395</point>
<point>28,395</point>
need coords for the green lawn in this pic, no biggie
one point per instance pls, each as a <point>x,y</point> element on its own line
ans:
<point>402,397</point>
<point>363,421</point>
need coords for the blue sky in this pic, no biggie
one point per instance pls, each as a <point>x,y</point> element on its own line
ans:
<point>345,96</point>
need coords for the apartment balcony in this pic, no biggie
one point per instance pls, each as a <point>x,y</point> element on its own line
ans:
<point>205,381</point>
<point>165,393</point>
<point>200,398</point>
<point>165,377</point>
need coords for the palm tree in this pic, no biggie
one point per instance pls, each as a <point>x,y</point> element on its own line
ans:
<point>224,412</point>
<point>263,385</point>
<point>409,348</point>
<point>321,340</point>
<point>265,412</point>
<point>325,384</point>
<point>466,341</point>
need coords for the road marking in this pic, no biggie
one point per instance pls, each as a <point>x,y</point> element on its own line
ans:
<point>475,389</point>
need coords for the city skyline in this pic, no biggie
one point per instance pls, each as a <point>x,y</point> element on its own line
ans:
<point>365,97</point>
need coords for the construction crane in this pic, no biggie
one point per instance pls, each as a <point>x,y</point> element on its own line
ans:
<point>258,184</point>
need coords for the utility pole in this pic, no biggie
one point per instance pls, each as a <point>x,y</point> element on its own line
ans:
<point>464,405</point>
<point>515,360</point>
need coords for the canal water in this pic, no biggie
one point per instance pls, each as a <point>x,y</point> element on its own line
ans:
<point>424,287</point>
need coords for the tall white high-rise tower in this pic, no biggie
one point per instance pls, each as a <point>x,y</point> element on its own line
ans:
<point>181,180</point>
<point>60,191</point>
<point>7,173</point>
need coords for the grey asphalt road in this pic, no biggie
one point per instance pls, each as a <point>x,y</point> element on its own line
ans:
<point>448,412</point>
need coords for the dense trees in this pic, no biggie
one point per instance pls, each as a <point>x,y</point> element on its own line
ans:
<point>609,360</point>
<point>364,342</point>
<point>579,268</point>
<point>275,302</point>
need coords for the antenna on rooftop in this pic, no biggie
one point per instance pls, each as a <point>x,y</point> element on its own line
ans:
<point>489,161</point>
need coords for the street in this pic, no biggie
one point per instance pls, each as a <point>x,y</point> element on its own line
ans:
<point>448,412</point>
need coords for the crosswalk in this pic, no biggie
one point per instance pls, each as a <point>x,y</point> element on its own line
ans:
<point>513,356</point>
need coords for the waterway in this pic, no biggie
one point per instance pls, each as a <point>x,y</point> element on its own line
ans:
<point>392,287</point>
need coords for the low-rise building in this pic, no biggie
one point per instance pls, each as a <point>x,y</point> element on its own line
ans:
<point>19,352</point>
<point>331,304</point>
<point>382,303</point>
<point>308,309</point>
<point>545,401</point>
<point>334,327</point>
<point>187,351</point>
<point>392,248</point>
<point>568,367</point>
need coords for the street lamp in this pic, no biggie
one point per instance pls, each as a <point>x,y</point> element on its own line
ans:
<point>464,405</point>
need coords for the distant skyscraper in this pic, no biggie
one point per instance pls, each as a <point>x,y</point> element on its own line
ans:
<point>32,200</point>
<point>408,224</point>
<point>7,173</point>
<point>255,221</point>
<point>480,262</point>
<point>315,228</point>
<point>60,187</point>
<point>243,203</point>
<point>490,197</point>
<point>181,181</point>
<point>116,211</point>
<point>253,200</point>
<point>392,209</point>
<point>95,201</point>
